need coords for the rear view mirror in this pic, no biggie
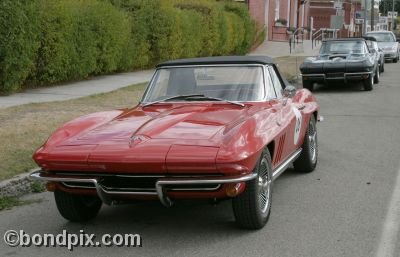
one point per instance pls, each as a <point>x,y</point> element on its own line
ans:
<point>289,91</point>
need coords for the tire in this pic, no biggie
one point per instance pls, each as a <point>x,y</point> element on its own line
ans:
<point>308,158</point>
<point>77,207</point>
<point>377,76</point>
<point>395,60</point>
<point>369,83</point>
<point>253,207</point>
<point>308,85</point>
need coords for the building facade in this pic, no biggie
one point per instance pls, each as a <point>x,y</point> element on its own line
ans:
<point>280,17</point>
<point>322,10</point>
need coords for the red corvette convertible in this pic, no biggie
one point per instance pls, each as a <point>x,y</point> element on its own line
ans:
<point>206,128</point>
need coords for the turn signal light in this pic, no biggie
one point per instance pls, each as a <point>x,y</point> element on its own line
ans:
<point>232,190</point>
<point>51,186</point>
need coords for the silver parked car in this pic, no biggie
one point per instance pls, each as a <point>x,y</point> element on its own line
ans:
<point>377,52</point>
<point>387,42</point>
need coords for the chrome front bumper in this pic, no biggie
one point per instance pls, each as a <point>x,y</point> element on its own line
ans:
<point>160,186</point>
<point>162,183</point>
<point>322,77</point>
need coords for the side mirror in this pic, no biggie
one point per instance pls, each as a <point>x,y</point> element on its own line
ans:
<point>289,91</point>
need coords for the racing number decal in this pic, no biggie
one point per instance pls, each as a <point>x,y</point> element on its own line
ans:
<point>297,127</point>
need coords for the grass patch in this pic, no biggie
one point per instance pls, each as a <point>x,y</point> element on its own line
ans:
<point>8,202</point>
<point>38,187</point>
<point>25,128</point>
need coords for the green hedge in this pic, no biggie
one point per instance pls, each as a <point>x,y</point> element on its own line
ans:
<point>43,42</point>
<point>18,43</point>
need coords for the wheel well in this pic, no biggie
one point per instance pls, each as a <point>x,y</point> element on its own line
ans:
<point>315,115</point>
<point>271,148</point>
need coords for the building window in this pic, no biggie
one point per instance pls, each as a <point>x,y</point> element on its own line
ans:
<point>277,6</point>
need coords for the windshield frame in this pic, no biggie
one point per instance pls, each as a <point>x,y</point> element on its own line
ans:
<point>266,92</point>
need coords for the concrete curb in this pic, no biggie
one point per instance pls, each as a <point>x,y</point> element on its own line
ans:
<point>18,185</point>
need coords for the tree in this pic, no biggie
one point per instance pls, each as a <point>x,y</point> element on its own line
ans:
<point>386,5</point>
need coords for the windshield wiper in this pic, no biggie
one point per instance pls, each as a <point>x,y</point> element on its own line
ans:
<point>204,97</point>
<point>172,98</point>
<point>192,97</point>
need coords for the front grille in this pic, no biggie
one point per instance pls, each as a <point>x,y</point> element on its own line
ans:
<point>139,183</point>
<point>335,75</point>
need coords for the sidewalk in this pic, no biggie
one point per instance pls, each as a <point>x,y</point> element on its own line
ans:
<point>72,90</point>
<point>278,49</point>
<point>103,84</point>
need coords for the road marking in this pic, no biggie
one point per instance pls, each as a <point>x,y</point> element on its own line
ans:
<point>391,228</point>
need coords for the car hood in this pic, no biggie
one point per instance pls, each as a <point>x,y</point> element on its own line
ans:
<point>164,121</point>
<point>386,45</point>
<point>334,58</point>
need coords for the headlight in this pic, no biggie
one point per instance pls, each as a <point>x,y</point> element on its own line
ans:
<point>394,47</point>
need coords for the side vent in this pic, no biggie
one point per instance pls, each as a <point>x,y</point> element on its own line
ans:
<point>279,151</point>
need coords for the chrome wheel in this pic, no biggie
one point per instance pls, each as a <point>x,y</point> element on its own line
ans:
<point>312,139</point>
<point>264,186</point>
<point>308,158</point>
<point>253,207</point>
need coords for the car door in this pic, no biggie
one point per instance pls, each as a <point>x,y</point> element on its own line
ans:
<point>289,119</point>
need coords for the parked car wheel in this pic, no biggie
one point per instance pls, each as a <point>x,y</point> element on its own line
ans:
<point>395,60</point>
<point>253,207</point>
<point>369,83</point>
<point>377,76</point>
<point>77,207</point>
<point>308,85</point>
<point>308,158</point>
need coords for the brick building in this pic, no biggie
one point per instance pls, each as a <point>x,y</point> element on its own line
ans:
<point>279,16</point>
<point>321,11</point>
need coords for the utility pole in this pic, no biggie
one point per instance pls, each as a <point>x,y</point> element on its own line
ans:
<point>372,14</point>
<point>392,24</point>
<point>365,17</point>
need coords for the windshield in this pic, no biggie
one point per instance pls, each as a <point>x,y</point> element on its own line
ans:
<point>231,83</point>
<point>383,37</point>
<point>342,47</point>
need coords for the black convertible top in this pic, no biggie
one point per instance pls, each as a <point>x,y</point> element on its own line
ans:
<point>219,60</point>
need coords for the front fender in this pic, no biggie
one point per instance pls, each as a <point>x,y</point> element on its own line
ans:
<point>243,145</point>
<point>79,125</point>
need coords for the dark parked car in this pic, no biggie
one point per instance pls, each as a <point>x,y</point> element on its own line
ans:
<point>388,43</point>
<point>343,60</point>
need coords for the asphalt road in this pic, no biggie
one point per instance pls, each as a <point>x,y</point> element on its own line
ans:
<point>349,206</point>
